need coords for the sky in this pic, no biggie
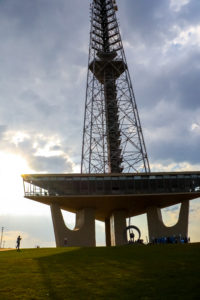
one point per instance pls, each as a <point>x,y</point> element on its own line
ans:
<point>43,67</point>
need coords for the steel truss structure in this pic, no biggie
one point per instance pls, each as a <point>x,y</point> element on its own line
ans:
<point>113,141</point>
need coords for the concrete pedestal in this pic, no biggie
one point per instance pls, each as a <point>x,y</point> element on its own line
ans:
<point>157,229</point>
<point>107,231</point>
<point>118,228</point>
<point>83,233</point>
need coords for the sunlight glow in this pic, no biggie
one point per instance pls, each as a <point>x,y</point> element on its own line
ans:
<point>13,162</point>
<point>16,137</point>
<point>12,194</point>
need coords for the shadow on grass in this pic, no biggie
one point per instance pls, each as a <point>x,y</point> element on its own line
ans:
<point>88,273</point>
<point>122,273</point>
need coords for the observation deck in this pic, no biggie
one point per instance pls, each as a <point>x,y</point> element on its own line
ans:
<point>133,193</point>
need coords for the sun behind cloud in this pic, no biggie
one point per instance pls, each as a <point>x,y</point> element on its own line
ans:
<point>12,166</point>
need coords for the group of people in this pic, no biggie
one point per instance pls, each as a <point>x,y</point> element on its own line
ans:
<point>170,240</point>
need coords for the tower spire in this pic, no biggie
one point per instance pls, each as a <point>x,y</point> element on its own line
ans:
<point>112,137</point>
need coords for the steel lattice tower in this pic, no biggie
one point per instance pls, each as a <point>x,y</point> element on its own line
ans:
<point>113,141</point>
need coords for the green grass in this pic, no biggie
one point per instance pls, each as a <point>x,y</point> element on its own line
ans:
<point>131,272</point>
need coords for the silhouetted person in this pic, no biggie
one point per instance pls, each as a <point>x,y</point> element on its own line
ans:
<point>18,242</point>
<point>132,236</point>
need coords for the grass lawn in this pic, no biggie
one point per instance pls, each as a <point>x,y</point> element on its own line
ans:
<point>130,272</point>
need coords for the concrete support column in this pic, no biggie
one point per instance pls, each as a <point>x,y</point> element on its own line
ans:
<point>83,233</point>
<point>157,229</point>
<point>107,230</point>
<point>118,228</point>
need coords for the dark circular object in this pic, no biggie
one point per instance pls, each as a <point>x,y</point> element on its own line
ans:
<point>128,228</point>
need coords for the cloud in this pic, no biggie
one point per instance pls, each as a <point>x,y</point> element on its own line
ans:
<point>163,55</point>
<point>53,164</point>
<point>177,5</point>
<point>42,71</point>
<point>2,130</point>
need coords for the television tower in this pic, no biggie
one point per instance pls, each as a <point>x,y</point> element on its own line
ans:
<point>113,141</point>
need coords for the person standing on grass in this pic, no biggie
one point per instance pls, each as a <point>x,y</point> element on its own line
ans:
<point>18,242</point>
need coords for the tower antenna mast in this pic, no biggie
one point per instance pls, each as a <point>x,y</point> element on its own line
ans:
<point>113,140</point>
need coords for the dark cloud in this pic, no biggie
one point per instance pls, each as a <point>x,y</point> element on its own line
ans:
<point>146,22</point>
<point>188,86</point>
<point>165,67</point>
<point>54,164</point>
<point>2,130</point>
<point>190,13</point>
<point>168,151</point>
